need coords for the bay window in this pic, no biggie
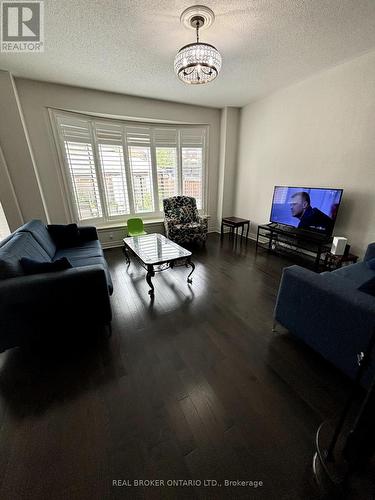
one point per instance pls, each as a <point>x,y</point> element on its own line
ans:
<point>114,169</point>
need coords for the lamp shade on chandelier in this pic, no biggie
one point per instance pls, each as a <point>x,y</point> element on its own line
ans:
<point>197,63</point>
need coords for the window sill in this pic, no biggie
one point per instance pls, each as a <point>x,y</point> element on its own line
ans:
<point>146,222</point>
<point>119,225</point>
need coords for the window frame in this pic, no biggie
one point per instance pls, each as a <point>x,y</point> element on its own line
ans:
<point>106,220</point>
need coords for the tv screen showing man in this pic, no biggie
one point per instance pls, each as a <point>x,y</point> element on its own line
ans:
<point>313,209</point>
<point>309,217</point>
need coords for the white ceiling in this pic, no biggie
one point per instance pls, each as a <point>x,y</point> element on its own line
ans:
<point>128,46</point>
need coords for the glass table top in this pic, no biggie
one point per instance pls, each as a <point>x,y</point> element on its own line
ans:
<point>155,248</point>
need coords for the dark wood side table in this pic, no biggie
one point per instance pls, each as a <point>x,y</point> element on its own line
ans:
<point>332,262</point>
<point>234,223</point>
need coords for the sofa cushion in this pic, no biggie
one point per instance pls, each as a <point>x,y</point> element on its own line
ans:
<point>368,287</point>
<point>22,244</point>
<point>64,236</point>
<point>78,260</point>
<point>357,273</point>
<point>31,266</point>
<point>9,269</point>
<point>371,264</point>
<point>190,226</point>
<point>41,234</point>
<point>85,250</point>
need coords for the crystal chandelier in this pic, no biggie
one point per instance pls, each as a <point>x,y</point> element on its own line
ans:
<point>197,62</point>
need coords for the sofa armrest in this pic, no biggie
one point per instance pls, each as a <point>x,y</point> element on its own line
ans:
<point>88,233</point>
<point>328,313</point>
<point>370,252</point>
<point>29,304</point>
<point>88,280</point>
<point>300,285</point>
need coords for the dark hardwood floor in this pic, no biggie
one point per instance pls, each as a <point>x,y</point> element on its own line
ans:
<point>192,387</point>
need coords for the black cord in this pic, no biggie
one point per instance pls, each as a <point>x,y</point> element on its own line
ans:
<point>363,361</point>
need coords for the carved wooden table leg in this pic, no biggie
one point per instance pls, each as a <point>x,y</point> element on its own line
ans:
<point>126,253</point>
<point>192,265</point>
<point>150,274</point>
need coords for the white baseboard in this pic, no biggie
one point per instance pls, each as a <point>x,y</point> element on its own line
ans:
<point>251,236</point>
<point>112,244</point>
<point>119,243</point>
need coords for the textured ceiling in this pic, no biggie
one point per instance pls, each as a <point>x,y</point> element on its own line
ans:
<point>128,46</point>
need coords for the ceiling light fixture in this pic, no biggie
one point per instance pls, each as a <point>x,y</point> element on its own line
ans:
<point>197,62</point>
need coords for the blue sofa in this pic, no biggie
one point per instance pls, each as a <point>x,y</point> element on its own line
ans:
<point>34,304</point>
<point>328,312</point>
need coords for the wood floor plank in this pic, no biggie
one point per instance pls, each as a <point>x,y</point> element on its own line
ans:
<point>193,386</point>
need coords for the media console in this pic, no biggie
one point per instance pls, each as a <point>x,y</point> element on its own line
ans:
<point>294,242</point>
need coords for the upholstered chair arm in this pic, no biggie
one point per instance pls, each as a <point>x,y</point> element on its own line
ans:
<point>203,220</point>
<point>171,221</point>
<point>169,225</point>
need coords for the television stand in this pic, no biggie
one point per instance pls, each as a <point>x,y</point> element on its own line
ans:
<point>303,245</point>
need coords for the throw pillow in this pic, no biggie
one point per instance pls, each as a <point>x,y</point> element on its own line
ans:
<point>9,269</point>
<point>31,266</point>
<point>368,287</point>
<point>64,236</point>
<point>371,264</point>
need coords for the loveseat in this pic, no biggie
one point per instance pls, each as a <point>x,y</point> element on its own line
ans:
<point>36,304</point>
<point>328,312</point>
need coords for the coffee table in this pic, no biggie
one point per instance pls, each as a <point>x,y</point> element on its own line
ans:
<point>156,253</point>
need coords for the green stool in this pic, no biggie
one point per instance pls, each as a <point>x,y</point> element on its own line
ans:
<point>135,227</point>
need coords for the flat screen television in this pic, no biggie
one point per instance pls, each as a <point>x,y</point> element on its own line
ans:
<point>311,209</point>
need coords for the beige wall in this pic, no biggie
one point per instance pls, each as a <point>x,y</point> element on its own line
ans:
<point>320,132</point>
<point>19,186</point>
<point>36,97</point>
<point>229,126</point>
<point>8,197</point>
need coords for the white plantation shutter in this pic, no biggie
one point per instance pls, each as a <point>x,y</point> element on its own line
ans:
<point>79,154</point>
<point>138,136</point>
<point>193,137</point>
<point>114,179</point>
<point>109,138</point>
<point>165,140</point>
<point>108,133</point>
<point>165,137</point>
<point>192,159</point>
<point>84,179</point>
<point>75,129</point>
<point>139,152</point>
<point>114,168</point>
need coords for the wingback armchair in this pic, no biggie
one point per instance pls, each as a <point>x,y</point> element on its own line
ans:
<point>182,222</point>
